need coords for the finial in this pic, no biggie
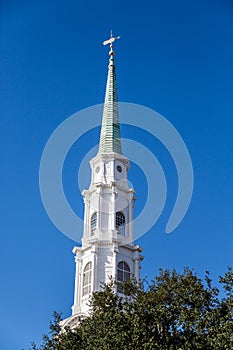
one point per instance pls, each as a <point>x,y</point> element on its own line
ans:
<point>111,41</point>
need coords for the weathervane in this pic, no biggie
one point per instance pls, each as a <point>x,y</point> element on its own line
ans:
<point>111,41</point>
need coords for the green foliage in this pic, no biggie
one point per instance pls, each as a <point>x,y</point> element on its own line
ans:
<point>176,311</point>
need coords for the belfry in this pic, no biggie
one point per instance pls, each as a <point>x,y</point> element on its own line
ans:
<point>108,249</point>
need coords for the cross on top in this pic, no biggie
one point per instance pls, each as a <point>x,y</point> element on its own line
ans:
<point>111,41</point>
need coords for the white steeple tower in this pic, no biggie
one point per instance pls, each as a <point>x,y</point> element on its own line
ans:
<point>108,249</point>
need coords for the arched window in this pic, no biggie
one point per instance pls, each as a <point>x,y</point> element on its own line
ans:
<point>87,278</point>
<point>123,274</point>
<point>93,222</point>
<point>120,223</point>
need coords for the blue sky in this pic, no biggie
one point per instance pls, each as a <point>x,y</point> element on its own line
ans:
<point>174,57</point>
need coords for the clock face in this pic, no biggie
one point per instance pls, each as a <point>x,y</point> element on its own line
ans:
<point>119,168</point>
<point>97,169</point>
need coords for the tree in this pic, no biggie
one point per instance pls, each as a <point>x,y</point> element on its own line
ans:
<point>176,311</point>
<point>220,333</point>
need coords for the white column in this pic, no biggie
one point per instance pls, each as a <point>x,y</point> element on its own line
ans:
<point>114,261</point>
<point>137,267</point>
<point>86,214</point>
<point>131,216</point>
<point>113,208</point>
<point>95,285</point>
<point>99,192</point>
<point>77,280</point>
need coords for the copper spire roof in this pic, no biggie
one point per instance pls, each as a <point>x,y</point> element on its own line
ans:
<point>110,140</point>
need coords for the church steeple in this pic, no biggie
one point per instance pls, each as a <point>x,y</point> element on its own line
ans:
<point>108,249</point>
<point>110,140</point>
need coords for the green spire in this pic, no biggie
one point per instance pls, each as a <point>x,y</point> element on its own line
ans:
<point>110,139</point>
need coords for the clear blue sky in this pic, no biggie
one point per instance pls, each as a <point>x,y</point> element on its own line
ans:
<point>174,57</point>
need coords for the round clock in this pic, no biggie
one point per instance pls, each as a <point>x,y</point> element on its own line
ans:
<point>119,168</point>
